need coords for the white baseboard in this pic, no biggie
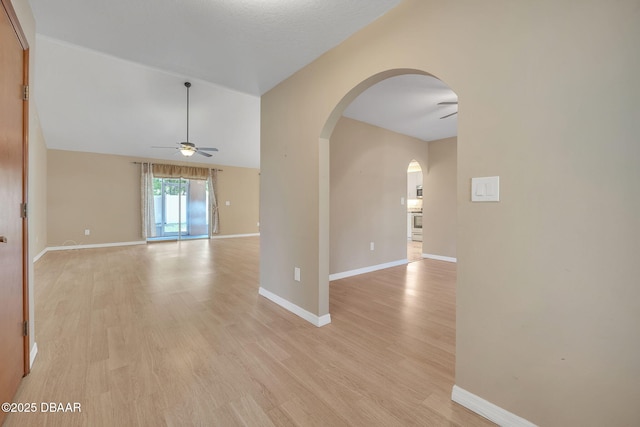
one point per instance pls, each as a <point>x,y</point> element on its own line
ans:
<point>336,276</point>
<point>37,257</point>
<point>440,257</point>
<point>230,236</point>
<point>299,311</point>
<point>109,245</point>
<point>32,354</point>
<point>487,409</point>
<point>93,246</point>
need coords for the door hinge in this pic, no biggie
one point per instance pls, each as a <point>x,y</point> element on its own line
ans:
<point>25,92</point>
<point>23,210</point>
<point>25,328</point>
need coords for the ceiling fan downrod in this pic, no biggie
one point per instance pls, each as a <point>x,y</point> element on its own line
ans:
<point>187,85</point>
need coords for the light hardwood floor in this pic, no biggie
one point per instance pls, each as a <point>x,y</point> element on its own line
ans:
<point>414,251</point>
<point>176,334</point>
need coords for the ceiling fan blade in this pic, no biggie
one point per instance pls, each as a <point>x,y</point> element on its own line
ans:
<point>155,146</point>
<point>449,115</point>
<point>202,153</point>
<point>448,103</point>
<point>207,149</point>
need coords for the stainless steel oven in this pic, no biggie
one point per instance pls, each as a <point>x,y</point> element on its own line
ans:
<point>416,226</point>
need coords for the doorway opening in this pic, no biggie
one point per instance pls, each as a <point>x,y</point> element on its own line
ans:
<point>414,211</point>
<point>434,110</point>
<point>181,209</point>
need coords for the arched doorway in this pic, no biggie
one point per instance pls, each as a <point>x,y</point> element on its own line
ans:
<point>414,211</point>
<point>325,243</point>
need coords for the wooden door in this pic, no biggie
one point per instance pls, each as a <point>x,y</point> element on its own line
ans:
<point>13,351</point>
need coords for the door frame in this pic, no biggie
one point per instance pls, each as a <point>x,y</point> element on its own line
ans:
<point>13,18</point>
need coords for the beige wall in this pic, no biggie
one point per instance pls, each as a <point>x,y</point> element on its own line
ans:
<point>92,191</point>
<point>37,189</point>
<point>368,179</point>
<point>439,202</point>
<point>101,193</point>
<point>240,187</point>
<point>547,294</point>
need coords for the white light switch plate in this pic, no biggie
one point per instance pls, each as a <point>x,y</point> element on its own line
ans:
<point>485,189</point>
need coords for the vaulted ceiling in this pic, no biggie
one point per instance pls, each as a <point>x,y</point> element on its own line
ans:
<point>110,75</point>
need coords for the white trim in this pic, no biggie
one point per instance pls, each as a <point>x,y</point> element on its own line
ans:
<point>440,257</point>
<point>40,255</point>
<point>97,245</point>
<point>336,276</point>
<point>32,354</point>
<point>230,236</point>
<point>299,311</point>
<point>109,245</point>
<point>494,413</point>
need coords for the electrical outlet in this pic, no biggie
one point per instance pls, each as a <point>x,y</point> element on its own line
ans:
<point>296,274</point>
<point>87,232</point>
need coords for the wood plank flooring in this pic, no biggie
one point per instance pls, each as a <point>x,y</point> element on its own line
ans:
<point>414,251</point>
<point>175,334</point>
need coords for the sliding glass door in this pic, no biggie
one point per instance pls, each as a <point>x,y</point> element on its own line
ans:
<point>181,208</point>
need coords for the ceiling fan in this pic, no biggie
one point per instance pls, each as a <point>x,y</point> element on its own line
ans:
<point>449,103</point>
<point>187,148</point>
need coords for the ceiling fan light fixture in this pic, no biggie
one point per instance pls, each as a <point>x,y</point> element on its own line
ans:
<point>187,151</point>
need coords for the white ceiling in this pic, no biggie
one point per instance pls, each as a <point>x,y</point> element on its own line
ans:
<point>408,104</point>
<point>88,101</point>
<point>110,75</point>
<point>246,45</point>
